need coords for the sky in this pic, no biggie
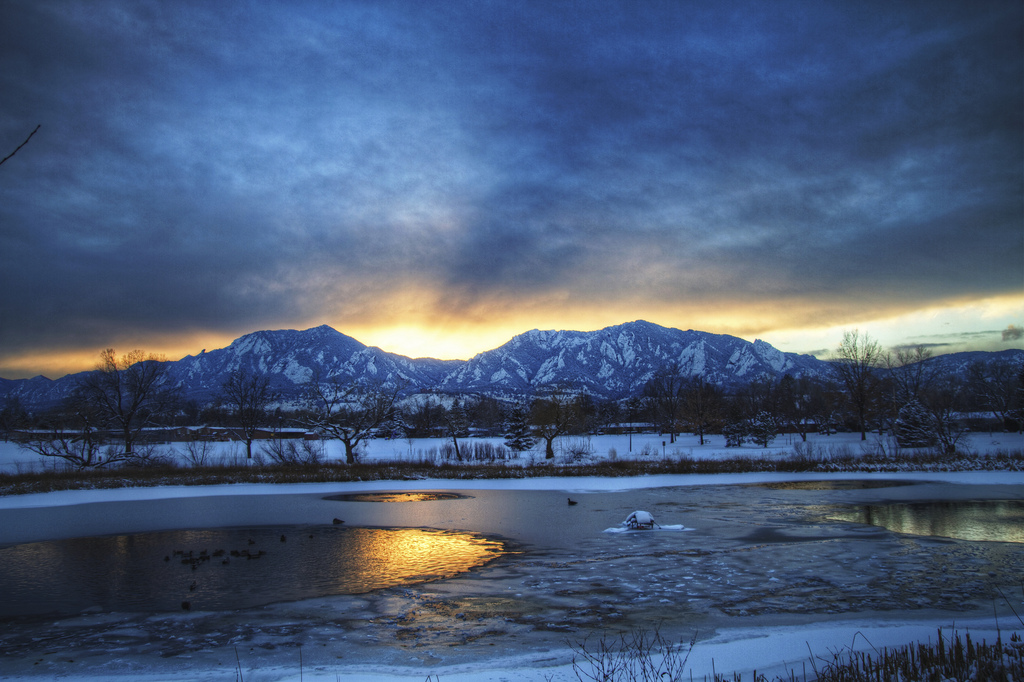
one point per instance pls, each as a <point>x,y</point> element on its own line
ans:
<point>434,178</point>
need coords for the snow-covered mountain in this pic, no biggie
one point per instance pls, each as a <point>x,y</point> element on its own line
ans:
<point>289,357</point>
<point>292,357</point>
<point>614,363</point>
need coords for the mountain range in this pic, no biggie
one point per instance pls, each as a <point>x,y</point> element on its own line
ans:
<point>611,363</point>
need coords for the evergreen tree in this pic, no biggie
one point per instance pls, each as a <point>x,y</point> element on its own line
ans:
<point>394,427</point>
<point>914,427</point>
<point>763,429</point>
<point>735,432</point>
<point>518,432</point>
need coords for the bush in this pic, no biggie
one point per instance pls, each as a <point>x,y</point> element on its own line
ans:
<point>471,451</point>
<point>578,449</point>
<point>637,655</point>
<point>293,452</point>
<point>198,452</point>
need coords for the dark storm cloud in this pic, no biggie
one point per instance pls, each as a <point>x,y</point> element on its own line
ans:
<point>822,145</point>
<point>233,166</point>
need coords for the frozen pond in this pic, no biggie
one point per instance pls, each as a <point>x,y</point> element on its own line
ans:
<point>752,555</point>
<point>226,569</point>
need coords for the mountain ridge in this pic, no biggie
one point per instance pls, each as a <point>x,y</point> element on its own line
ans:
<point>610,363</point>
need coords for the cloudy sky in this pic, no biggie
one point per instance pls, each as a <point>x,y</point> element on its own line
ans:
<point>435,177</point>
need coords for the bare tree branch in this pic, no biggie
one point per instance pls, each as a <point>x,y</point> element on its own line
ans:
<point>247,395</point>
<point>346,410</point>
<point>22,144</point>
<point>856,363</point>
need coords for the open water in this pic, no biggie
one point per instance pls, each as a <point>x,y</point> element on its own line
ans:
<point>403,579</point>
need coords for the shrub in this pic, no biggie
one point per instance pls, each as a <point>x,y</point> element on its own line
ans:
<point>198,452</point>
<point>637,655</point>
<point>293,452</point>
<point>577,449</point>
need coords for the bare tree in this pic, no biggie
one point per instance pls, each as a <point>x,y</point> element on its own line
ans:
<point>552,416</point>
<point>128,394</point>
<point>485,414</point>
<point>828,400</point>
<point>71,435</point>
<point>1017,401</point>
<point>456,423</point>
<point>247,396</point>
<point>761,394</point>
<point>910,371</point>
<point>797,404</point>
<point>996,386</point>
<point>944,400</point>
<point>856,362</point>
<point>347,410</point>
<point>701,405</point>
<point>664,395</point>
<point>12,417</point>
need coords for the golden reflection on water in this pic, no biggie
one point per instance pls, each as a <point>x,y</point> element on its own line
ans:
<point>414,496</point>
<point>224,569</point>
<point>993,521</point>
<point>403,556</point>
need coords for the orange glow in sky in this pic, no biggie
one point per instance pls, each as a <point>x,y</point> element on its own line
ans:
<point>986,324</point>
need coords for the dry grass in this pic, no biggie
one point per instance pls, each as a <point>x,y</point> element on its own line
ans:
<point>642,656</point>
<point>952,657</point>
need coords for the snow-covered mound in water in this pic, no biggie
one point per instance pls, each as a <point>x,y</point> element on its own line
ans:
<point>624,529</point>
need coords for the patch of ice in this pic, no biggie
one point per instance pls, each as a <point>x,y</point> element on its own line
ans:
<point>623,529</point>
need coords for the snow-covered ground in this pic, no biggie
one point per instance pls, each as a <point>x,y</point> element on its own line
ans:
<point>640,446</point>
<point>765,577</point>
<point>655,446</point>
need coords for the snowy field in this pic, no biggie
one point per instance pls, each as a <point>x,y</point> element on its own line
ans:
<point>762,574</point>
<point>645,446</point>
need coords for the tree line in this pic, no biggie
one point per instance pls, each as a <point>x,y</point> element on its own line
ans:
<point>900,392</point>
